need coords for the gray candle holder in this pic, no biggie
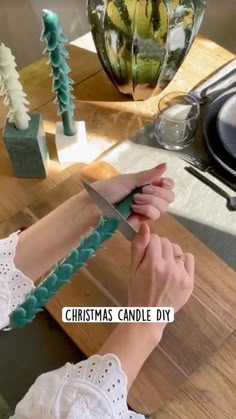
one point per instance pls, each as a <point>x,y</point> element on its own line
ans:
<point>27,148</point>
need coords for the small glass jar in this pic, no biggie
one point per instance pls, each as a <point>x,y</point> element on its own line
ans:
<point>177,120</point>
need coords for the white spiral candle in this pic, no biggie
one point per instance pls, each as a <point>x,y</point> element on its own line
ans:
<point>11,88</point>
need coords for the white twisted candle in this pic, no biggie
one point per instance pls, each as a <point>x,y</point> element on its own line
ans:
<point>11,88</point>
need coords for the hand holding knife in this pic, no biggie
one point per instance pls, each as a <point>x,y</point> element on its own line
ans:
<point>121,211</point>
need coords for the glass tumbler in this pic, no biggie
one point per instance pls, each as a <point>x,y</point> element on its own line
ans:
<point>177,120</point>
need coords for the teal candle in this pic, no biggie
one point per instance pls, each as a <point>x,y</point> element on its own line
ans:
<point>62,273</point>
<point>62,83</point>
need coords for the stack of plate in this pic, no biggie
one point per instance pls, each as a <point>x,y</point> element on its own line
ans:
<point>220,132</point>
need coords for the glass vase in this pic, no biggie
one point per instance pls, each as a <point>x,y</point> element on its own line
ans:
<point>142,43</point>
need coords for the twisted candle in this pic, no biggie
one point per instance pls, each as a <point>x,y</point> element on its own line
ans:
<point>62,83</point>
<point>62,272</point>
<point>11,88</point>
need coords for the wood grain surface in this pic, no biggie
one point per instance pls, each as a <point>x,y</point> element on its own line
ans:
<point>210,392</point>
<point>200,327</point>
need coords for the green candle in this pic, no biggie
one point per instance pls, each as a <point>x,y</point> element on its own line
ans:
<point>62,83</point>
<point>62,273</point>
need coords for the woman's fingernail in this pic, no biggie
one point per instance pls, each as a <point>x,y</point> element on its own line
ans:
<point>161,166</point>
<point>148,189</point>
<point>138,198</point>
<point>142,229</point>
<point>134,207</point>
<point>167,183</point>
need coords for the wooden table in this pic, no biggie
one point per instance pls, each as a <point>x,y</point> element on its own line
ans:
<point>198,351</point>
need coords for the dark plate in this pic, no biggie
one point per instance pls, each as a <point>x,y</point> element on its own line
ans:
<point>226,125</point>
<point>214,146</point>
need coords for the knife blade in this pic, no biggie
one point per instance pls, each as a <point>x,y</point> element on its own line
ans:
<point>119,211</point>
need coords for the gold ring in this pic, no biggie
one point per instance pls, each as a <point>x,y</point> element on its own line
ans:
<point>180,257</point>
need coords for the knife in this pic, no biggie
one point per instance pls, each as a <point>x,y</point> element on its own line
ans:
<point>121,211</point>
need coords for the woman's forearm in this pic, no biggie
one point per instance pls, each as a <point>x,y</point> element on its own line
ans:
<point>53,237</point>
<point>132,343</point>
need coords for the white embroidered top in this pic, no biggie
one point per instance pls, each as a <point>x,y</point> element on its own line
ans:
<point>14,285</point>
<point>95,388</point>
<point>91,389</point>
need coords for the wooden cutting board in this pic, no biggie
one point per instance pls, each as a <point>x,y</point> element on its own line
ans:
<point>201,327</point>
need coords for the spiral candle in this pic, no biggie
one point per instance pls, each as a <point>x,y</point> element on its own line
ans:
<point>62,83</point>
<point>11,88</point>
<point>62,272</point>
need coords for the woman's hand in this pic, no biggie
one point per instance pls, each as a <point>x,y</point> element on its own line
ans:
<point>154,199</point>
<point>158,278</point>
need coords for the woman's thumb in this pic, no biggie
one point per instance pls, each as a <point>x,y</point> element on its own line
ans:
<point>139,246</point>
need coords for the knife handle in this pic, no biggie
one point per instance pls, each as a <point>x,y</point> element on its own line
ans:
<point>124,206</point>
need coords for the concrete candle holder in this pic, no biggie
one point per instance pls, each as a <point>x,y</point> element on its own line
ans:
<point>72,148</point>
<point>23,134</point>
<point>27,148</point>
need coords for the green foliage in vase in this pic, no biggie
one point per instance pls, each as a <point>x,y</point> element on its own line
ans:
<point>136,58</point>
<point>62,83</point>
<point>123,12</point>
<point>155,19</point>
<point>63,272</point>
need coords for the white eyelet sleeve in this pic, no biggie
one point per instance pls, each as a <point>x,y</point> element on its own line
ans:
<point>91,389</point>
<point>14,285</point>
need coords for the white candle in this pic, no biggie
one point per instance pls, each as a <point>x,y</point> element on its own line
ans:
<point>11,88</point>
